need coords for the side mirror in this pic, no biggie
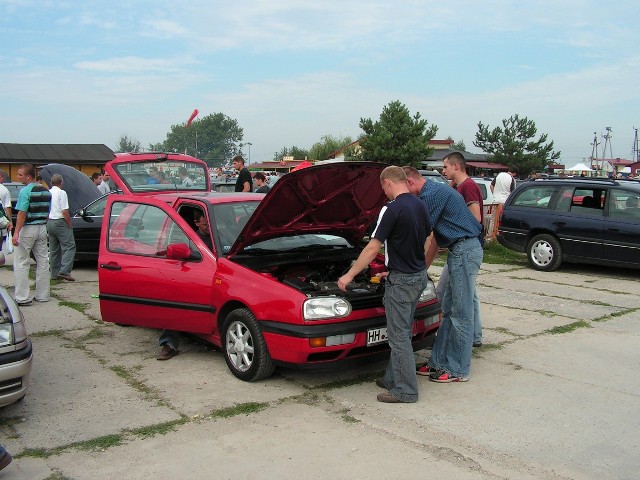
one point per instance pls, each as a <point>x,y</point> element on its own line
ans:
<point>178,251</point>
<point>83,214</point>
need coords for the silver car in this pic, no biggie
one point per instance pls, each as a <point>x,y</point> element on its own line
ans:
<point>15,351</point>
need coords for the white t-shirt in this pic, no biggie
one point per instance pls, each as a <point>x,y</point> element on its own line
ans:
<point>59,202</point>
<point>104,188</point>
<point>5,197</point>
<point>502,187</point>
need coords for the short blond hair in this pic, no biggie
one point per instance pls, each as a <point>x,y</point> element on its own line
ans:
<point>394,174</point>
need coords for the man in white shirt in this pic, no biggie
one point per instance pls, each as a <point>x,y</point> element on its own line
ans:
<point>104,186</point>
<point>503,185</point>
<point>5,200</point>
<point>62,245</point>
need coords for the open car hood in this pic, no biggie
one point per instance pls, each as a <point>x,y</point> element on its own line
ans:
<point>80,189</point>
<point>339,198</point>
<point>148,173</point>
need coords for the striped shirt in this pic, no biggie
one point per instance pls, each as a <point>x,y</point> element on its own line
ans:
<point>35,200</point>
<point>451,219</point>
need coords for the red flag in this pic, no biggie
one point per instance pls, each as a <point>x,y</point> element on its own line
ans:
<point>193,115</point>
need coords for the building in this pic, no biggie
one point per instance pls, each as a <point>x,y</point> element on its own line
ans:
<point>88,158</point>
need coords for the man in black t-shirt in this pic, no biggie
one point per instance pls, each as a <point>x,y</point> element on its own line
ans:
<point>403,228</point>
<point>243,183</point>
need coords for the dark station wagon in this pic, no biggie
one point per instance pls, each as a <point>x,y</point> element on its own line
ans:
<point>574,220</point>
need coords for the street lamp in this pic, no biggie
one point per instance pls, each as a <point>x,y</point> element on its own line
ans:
<point>248,144</point>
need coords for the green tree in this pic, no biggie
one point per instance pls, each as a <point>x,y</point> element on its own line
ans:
<point>127,144</point>
<point>327,145</point>
<point>215,139</point>
<point>295,152</point>
<point>458,146</point>
<point>156,147</point>
<point>396,138</point>
<point>514,144</point>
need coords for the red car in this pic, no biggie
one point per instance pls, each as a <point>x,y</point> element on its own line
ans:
<point>265,292</point>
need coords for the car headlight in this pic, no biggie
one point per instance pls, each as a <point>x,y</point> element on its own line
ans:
<point>325,307</point>
<point>428,293</point>
<point>19,332</point>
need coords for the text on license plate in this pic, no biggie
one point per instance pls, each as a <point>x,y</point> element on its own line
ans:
<point>376,336</point>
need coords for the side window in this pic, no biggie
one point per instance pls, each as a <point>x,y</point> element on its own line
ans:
<point>96,209</point>
<point>140,229</point>
<point>588,201</point>
<point>624,205</point>
<point>539,196</point>
<point>483,190</point>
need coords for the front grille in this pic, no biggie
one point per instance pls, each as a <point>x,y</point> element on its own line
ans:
<point>365,302</point>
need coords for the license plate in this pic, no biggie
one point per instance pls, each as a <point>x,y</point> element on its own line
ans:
<point>376,336</point>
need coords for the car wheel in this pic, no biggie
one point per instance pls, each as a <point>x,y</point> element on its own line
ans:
<point>245,349</point>
<point>544,253</point>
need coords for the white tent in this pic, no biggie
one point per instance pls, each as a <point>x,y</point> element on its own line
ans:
<point>580,167</point>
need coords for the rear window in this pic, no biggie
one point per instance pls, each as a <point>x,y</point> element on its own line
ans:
<point>539,196</point>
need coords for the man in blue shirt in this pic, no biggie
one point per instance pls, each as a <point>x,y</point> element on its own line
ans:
<point>455,228</point>
<point>30,235</point>
<point>403,228</point>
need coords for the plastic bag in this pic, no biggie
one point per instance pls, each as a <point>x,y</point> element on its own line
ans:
<point>7,248</point>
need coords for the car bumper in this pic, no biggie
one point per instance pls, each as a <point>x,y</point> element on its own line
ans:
<point>15,372</point>
<point>291,345</point>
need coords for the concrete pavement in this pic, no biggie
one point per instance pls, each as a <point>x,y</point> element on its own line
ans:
<point>554,393</point>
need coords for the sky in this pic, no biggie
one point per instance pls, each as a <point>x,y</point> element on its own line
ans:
<point>291,72</point>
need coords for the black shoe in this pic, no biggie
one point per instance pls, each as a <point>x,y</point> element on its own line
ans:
<point>5,459</point>
<point>166,353</point>
<point>388,398</point>
<point>380,383</point>
<point>66,277</point>
<point>477,344</point>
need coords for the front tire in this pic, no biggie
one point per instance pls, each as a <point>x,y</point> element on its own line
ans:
<point>544,253</point>
<point>245,349</point>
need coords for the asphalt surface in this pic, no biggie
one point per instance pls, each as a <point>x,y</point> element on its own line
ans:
<point>553,394</point>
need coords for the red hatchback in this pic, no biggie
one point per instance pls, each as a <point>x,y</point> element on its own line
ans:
<point>263,285</point>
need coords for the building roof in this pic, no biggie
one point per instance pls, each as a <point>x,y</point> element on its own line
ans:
<point>54,153</point>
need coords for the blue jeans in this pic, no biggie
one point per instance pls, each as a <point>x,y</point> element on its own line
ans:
<point>401,293</point>
<point>477,321</point>
<point>452,349</point>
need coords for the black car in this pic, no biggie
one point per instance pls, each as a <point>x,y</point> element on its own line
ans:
<point>87,225</point>
<point>574,220</point>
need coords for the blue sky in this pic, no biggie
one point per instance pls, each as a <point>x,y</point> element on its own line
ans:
<point>291,72</point>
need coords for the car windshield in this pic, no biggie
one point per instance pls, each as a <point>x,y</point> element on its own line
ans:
<point>169,175</point>
<point>230,219</point>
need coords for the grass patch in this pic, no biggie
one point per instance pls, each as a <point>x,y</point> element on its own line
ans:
<point>93,334</point>
<point>569,328</point>
<point>609,316</point>
<point>239,409</point>
<point>48,333</point>
<point>344,414</point>
<point>80,307</point>
<point>347,382</point>
<point>130,379</point>
<point>158,429</point>
<point>486,347</point>
<point>496,253</point>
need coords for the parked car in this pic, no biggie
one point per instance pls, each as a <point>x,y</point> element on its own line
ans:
<point>87,225</point>
<point>267,294</point>
<point>433,176</point>
<point>14,189</point>
<point>485,187</point>
<point>15,351</point>
<point>573,220</point>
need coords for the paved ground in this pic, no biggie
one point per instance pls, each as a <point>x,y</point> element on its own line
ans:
<point>554,394</point>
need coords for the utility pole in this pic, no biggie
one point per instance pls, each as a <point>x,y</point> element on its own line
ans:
<point>635,155</point>
<point>594,150</point>
<point>607,141</point>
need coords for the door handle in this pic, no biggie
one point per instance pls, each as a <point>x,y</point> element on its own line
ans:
<point>110,266</point>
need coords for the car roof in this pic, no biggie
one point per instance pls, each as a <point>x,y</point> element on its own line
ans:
<point>591,181</point>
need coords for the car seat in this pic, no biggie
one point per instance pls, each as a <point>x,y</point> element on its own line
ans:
<point>588,202</point>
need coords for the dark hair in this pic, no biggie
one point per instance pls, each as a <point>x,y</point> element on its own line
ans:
<point>457,158</point>
<point>260,176</point>
<point>513,169</point>
<point>95,175</point>
<point>238,158</point>
<point>197,215</point>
